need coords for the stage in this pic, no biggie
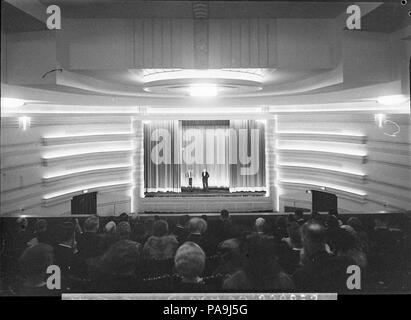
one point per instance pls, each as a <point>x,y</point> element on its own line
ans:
<point>182,156</point>
<point>211,192</point>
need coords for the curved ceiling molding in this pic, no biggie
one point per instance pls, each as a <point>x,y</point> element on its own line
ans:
<point>159,83</point>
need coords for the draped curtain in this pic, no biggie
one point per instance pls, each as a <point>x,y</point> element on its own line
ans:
<point>205,145</point>
<point>233,153</point>
<point>247,155</point>
<point>162,156</point>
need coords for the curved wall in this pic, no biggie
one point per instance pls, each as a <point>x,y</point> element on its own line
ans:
<point>44,166</point>
<point>367,166</point>
<point>56,158</point>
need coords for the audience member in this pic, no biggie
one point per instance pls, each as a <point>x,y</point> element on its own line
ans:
<point>230,257</point>
<point>289,257</point>
<point>347,245</point>
<point>123,230</point>
<point>299,217</point>
<point>180,230</point>
<point>333,231</point>
<point>123,217</point>
<point>260,271</point>
<point>316,254</point>
<point>89,243</point>
<point>41,234</point>
<point>335,213</point>
<point>109,236</point>
<point>280,229</point>
<point>357,225</point>
<point>64,250</point>
<point>320,271</point>
<point>161,245</point>
<point>197,228</point>
<point>33,265</point>
<point>119,267</point>
<point>189,263</point>
<point>224,228</point>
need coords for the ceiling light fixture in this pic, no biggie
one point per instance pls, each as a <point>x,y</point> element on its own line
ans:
<point>11,103</point>
<point>203,90</point>
<point>392,100</point>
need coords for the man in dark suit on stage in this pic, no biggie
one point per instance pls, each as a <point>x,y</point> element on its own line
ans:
<point>205,177</point>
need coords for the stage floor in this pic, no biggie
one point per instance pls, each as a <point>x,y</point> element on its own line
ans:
<point>196,192</point>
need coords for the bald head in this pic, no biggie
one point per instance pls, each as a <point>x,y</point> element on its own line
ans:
<point>313,232</point>
<point>260,224</point>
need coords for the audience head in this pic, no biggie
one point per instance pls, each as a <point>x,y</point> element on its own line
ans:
<point>123,217</point>
<point>204,217</point>
<point>313,232</point>
<point>224,214</point>
<point>333,212</point>
<point>22,223</point>
<point>197,226</point>
<point>345,242</point>
<point>124,230</point>
<point>40,226</point>
<point>348,229</point>
<point>189,260</point>
<point>260,225</point>
<point>35,260</point>
<point>121,258</point>
<point>110,227</point>
<point>299,214</point>
<point>160,228</point>
<point>355,223</point>
<point>332,222</point>
<point>92,224</point>
<point>229,249</point>
<point>294,233</point>
<point>65,233</point>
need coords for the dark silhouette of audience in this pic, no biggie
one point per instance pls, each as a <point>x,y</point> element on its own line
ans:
<point>321,271</point>
<point>89,242</point>
<point>293,253</point>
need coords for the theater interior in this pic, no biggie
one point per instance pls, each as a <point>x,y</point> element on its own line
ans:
<point>326,88</point>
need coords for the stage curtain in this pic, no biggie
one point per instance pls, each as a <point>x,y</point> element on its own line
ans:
<point>247,155</point>
<point>205,145</point>
<point>162,156</point>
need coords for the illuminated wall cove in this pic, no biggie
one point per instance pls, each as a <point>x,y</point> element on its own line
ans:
<point>47,164</point>
<point>51,161</point>
<point>366,166</point>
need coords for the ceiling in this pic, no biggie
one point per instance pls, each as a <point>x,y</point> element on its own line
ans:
<point>184,9</point>
<point>15,20</point>
<point>388,17</point>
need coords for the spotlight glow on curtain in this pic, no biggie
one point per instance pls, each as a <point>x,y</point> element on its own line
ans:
<point>233,153</point>
<point>162,156</point>
<point>247,155</point>
<point>205,146</point>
